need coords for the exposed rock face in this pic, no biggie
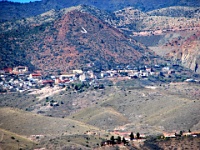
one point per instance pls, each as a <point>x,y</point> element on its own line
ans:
<point>189,52</point>
<point>166,32</point>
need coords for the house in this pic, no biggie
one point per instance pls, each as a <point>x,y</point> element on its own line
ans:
<point>57,80</point>
<point>169,135</point>
<point>45,82</point>
<point>20,69</point>
<point>165,69</point>
<point>105,74</point>
<point>113,73</point>
<point>86,76</point>
<point>77,71</point>
<point>8,70</point>
<point>149,69</point>
<point>35,76</point>
<point>2,72</point>
<point>66,76</point>
<point>91,74</point>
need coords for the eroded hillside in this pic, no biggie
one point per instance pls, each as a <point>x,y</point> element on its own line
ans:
<point>71,39</point>
<point>171,32</point>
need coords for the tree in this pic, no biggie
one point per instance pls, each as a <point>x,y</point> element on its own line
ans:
<point>124,141</point>
<point>119,140</point>
<point>181,132</point>
<point>112,139</point>
<point>138,135</point>
<point>131,136</point>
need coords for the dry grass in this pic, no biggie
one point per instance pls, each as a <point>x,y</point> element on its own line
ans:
<point>102,117</point>
<point>12,141</point>
<point>26,123</point>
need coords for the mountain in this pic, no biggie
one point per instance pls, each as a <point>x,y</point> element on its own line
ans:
<point>10,10</point>
<point>177,11</point>
<point>68,39</point>
<point>134,20</point>
<point>187,50</point>
<point>170,32</point>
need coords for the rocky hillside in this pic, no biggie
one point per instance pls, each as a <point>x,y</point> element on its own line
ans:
<point>10,10</point>
<point>133,20</point>
<point>171,32</point>
<point>177,11</point>
<point>67,39</point>
<point>188,51</point>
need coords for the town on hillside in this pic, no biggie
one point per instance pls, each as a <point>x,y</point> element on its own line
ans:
<point>19,79</point>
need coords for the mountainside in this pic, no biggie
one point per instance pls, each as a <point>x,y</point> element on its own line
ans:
<point>10,10</point>
<point>187,50</point>
<point>133,20</point>
<point>171,32</point>
<point>177,11</point>
<point>67,39</point>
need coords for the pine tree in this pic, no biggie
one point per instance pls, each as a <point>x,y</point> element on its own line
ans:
<point>138,135</point>
<point>131,136</point>
<point>112,139</point>
<point>124,141</point>
<point>119,140</point>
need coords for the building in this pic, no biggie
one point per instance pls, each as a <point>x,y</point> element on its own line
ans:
<point>77,71</point>
<point>66,76</point>
<point>35,76</point>
<point>8,70</point>
<point>20,70</point>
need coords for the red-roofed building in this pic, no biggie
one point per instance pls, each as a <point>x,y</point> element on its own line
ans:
<point>8,70</point>
<point>35,76</point>
<point>47,82</point>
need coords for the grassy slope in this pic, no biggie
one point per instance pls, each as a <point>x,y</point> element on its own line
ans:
<point>164,108</point>
<point>31,124</point>
<point>9,140</point>
<point>102,117</point>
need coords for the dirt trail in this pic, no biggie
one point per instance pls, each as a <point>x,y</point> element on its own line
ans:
<point>46,92</point>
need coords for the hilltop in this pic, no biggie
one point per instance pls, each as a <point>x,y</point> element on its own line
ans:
<point>13,11</point>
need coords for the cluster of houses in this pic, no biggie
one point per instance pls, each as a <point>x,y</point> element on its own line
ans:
<point>126,137</point>
<point>20,79</point>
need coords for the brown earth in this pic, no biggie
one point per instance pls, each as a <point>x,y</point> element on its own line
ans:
<point>63,44</point>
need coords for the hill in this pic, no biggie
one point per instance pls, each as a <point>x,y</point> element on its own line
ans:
<point>133,107</point>
<point>173,143</point>
<point>13,11</point>
<point>28,124</point>
<point>68,39</point>
<point>170,32</point>
<point>176,11</point>
<point>14,141</point>
<point>134,20</point>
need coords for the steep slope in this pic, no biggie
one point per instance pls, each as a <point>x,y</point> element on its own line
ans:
<point>133,20</point>
<point>187,50</point>
<point>177,11</point>
<point>171,32</point>
<point>70,38</point>
<point>10,10</point>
